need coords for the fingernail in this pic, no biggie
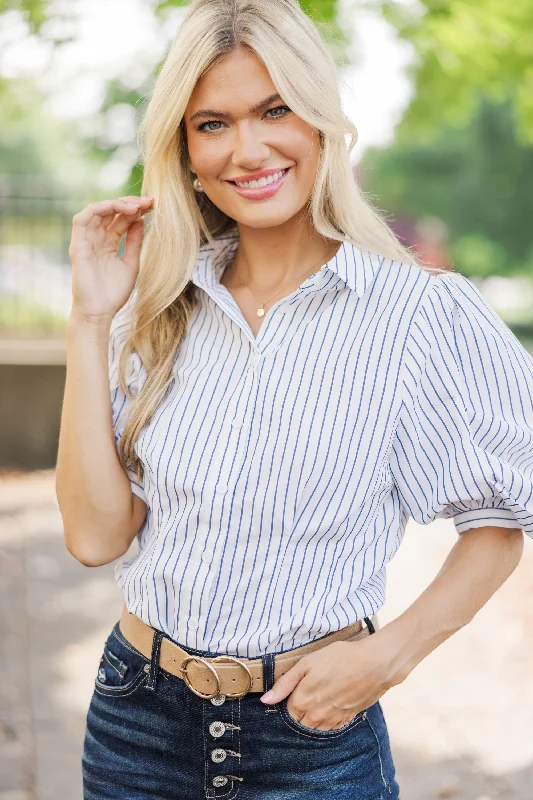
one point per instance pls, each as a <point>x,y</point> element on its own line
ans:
<point>267,696</point>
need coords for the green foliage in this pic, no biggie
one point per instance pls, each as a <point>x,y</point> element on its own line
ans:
<point>479,256</point>
<point>22,140</point>
<point>320,10</point>
<point>164,5</point>
<point>462,48</point>
<point>35,12</point>
<point>476,178</point>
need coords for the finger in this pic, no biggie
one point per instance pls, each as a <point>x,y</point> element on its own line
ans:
<point>134,239</point>
<point>286,683</point>
<point>122,222</point>
<point>127,213</point>
<point>99,210</point>
<point>144,200</point>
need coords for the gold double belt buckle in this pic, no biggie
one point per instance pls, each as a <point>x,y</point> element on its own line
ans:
<point>183,670</point>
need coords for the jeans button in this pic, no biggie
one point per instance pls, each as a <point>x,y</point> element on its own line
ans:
<point>217,729</point>
<point>218,699</point>
<point>218,755</point>
<point>220,780</point>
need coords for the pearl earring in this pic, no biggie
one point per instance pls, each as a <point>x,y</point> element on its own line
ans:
<point>197,186</point>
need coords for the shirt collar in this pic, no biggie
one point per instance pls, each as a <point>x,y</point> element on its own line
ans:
<point>356,267</point>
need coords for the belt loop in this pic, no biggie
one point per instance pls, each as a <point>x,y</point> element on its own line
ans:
<point>370,625</point>
<point>268,661</point>
<point>154,662</point>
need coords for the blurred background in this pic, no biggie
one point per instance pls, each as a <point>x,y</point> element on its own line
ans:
<point>442,95</point>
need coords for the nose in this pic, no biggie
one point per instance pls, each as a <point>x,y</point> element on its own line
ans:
<point>249,150</point>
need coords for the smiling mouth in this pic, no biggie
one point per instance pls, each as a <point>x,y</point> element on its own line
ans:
<point>259,184</point>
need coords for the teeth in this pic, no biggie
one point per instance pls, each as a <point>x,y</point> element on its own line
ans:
<point>261,182</point>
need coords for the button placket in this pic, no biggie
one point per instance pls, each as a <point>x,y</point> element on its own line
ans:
<point>222,744</point>
<point>235,448</point>
<point>240,425</point>
<point>237,419</point>
<point>214,491</point>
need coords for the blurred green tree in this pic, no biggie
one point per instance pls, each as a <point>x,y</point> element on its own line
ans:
<point>465,50</point>
<point>476,177</point>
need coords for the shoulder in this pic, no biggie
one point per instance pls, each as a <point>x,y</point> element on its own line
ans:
<point>447,306</point>
<point>455,320</point>
<point>430,294</point>
<point>465,307</point>
<point>447,295</point>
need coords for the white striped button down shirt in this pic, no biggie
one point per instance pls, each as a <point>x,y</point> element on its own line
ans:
<point>280,470</point>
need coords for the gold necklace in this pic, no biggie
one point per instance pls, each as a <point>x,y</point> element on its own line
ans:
<point>261,310</point>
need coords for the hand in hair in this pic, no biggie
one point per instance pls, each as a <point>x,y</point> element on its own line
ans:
<point>101,281</point>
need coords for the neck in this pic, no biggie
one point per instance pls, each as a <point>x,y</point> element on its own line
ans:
<point>270,257</point>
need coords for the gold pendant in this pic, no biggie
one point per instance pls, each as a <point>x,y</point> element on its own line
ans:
<point>261,312</point>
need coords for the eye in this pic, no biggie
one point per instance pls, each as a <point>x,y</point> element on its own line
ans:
<point>278,108</point>
<point>209,122</point>
<point>203,125</point>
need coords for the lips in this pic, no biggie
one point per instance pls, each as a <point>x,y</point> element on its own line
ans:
<point>261,192</point>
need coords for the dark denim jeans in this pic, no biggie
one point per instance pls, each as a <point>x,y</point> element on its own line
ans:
<point>149,736</point>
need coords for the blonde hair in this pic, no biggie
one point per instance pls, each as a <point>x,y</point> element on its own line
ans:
<point>305,74</point>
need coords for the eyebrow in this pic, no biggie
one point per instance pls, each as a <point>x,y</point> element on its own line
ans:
<point>209,112</point>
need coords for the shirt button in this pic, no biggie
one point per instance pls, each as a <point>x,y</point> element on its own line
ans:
<point>193,623</point>
<point>237,423</point>
<point>207,555</point>
<point>221,487</point>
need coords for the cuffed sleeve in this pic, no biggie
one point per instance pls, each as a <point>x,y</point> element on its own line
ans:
<point>463,446</point>
<point>135,374</point>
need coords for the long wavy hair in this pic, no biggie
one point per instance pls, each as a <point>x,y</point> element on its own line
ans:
<point>305,74</point>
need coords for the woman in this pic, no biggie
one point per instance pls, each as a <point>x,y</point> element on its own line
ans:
<point>288,386</point>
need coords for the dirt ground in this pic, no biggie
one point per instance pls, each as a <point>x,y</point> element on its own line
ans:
<point>460,725</point>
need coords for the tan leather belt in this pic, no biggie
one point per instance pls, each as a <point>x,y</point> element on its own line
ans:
<point>232,676</point>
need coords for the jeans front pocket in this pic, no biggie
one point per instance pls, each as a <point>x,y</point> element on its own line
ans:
<point>316,733</point>
<point>122,668</point>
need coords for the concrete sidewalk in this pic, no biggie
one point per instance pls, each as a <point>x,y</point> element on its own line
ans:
<point>461,724</point>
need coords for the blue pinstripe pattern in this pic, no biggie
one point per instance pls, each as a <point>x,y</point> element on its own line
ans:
<point>280,470</point>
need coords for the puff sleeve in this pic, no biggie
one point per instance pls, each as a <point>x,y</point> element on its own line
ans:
<point>463,446</point>
<point>135,376</point>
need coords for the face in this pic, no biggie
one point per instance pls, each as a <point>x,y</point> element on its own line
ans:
<point>239,129</point>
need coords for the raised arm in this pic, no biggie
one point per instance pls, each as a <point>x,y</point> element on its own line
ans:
<point>101,514</point>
